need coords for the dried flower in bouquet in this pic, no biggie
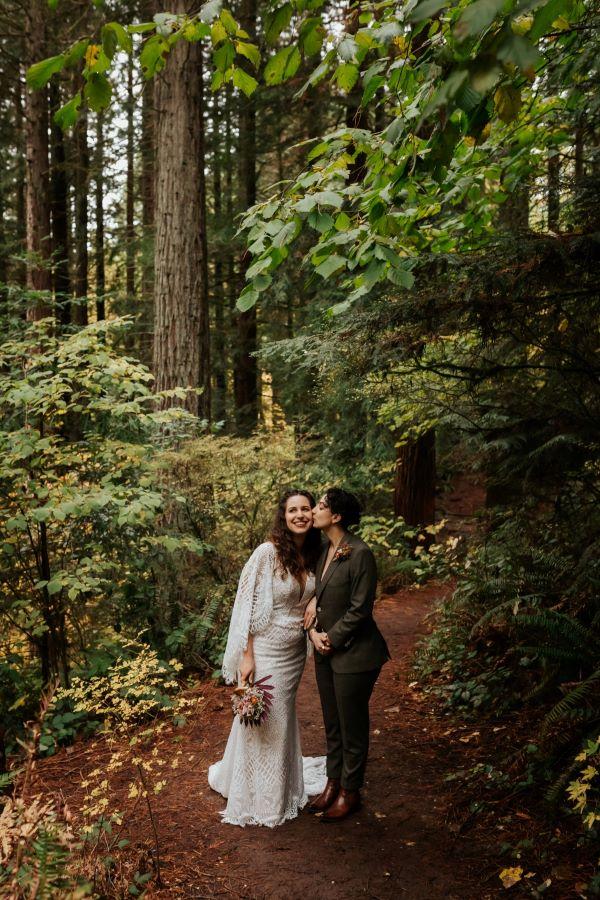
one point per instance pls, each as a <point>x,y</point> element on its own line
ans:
<point>253,701</point>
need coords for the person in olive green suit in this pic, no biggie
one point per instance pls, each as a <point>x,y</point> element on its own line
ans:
<point>350,650</point>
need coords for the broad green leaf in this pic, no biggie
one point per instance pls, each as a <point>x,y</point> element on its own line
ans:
<point>286,234</point>
<point>66,116</point>
<point>545,16</point>
<point>122,36</point>
<point>518,50</point>
<point>97,91</point>
<point>195,31</point>
<point>228,21</point>
<point>40,73</point>
<point>109,42</point>
<point>250,51</point>
<point>311,36</point>
<point>276,22</point>
<point>346,76</point>
<point>330,265</point>
<point>223,56</point>
<point>152,55</point>
<point>426,9</point>
<point>209,11</point>
<point>218,33</point>
<point>247,300</point>
<point>400,277</point>
<point>347,48</point>
<point>76,52</point>
<point>283,65</point>
<point>54,585</point>
<point>328,198</point>
<point>244,81</point>
<point>476,17</point>
<point>320,221</point>
<point>507,101</point>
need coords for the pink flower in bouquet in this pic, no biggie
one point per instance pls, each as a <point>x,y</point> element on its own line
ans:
<point>253,702</point>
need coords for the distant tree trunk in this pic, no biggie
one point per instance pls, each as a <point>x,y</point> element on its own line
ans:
<point>219,361</point>
<point>99,240</point>
<point>554,192</point>
<point>229,204</point>
<point>181,304</point>
<point>60,215</point>
<point>37,192</point>
<point>80,311</point>
<point>245,370</point>
<point>414,487</point>
<point>19,274</point>
<point>204,338</point>
<point>147,183</point>
<point>130,188</point>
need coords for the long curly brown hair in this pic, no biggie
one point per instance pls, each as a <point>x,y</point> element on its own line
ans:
<point>291,558</point>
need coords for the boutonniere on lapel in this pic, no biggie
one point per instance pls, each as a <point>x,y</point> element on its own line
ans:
<point>342,552</point>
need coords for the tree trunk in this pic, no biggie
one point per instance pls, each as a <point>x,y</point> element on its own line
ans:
<point>219,360</point>
<point>553,192</point>
<point>99,239</point>
<point>37,192</point>
<point>414,488</point>
<point>80,312</point>
<point>181,304</point>
<point>59,211</point>
<point>19,273</point>
<point>245,370</point>
<point>130,189</point>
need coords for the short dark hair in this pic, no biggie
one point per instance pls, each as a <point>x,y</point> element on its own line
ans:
<point>345,505</point>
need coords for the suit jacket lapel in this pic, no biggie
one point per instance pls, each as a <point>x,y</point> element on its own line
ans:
<point>319,569</point>
<point>323,579</point>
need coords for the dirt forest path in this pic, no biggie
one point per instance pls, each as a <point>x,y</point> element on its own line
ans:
<point>405,842</point>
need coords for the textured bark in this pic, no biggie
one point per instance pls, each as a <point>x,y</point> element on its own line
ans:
<point>37,192</point>
<point>18,272</point>
<point>245,370</point>
<point>219,344</point>
<point>147,187</point>
<point>414,488</point>
<point>181,304</point>
<point>80,312</point>
<point>59,213</point>
<point>130,188</point>
<point>553,192</point>
<point>99,239</point>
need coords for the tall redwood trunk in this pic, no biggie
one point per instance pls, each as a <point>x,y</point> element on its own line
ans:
<point>130,189</point>
<point>414,487</point>
<point>554,192</point>
<point>37,188</point>
<point>99,238</point>
<point>59,211</point>
<point>181,304</point>
<point>80,312</point>
<point>218,356</point>
<point>245,370</point>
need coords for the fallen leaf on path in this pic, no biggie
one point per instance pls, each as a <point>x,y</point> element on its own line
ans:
<point>499,728</point>
<point>379,815</point>
<point>508,877</point>
<point>392,709</point>
<point>522,815</point>
<point>467,737</point>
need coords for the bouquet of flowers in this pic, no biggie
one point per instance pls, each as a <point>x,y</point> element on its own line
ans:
<point>253,702</point>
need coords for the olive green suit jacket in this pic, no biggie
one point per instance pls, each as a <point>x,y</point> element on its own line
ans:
<point>345,597</point>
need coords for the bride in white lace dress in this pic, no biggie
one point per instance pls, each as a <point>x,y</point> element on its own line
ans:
<point>262,773</point>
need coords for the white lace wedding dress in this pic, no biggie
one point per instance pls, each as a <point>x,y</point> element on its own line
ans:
<point>263,774</point>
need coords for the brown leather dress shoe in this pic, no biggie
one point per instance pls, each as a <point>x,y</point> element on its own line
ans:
<point>345,803</point>
<point>324,800</point>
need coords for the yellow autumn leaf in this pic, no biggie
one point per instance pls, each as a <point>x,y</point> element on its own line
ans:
<point>91,55</point>
<point>508,877</point>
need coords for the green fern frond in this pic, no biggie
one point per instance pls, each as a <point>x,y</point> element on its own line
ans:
<point>587,690</point>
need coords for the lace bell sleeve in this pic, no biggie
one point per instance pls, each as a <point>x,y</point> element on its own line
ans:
<point>252,608</point>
